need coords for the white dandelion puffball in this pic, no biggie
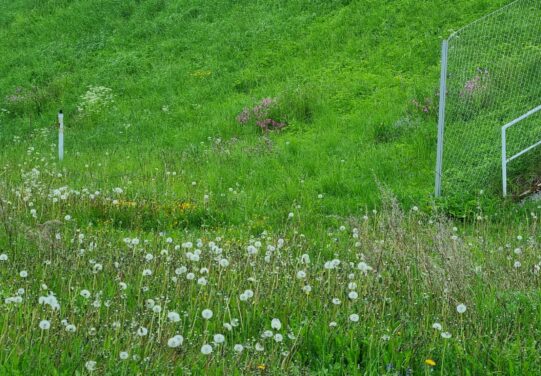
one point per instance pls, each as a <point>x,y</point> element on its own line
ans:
<point>461,308</point>
<point>219,338</point>
<point>147,272</point>
<point>437,326</point>
<point>276,324</point>
<point>91,365</point>
<point>354,317</point>
<point>181,270</point>
<point>301,274</point>
<point>224,263</point>
<point>353,295</point>
<point>70,328</point>
<point>206,349</point>
<point>278,337</point>
<point>173,316</point>
<point>3,257</point>
<point>23,274</point>
<point>364,267</point>
<point>175,341</point>
<point>44,324</point>
<point>207,314</point>
<point>238,348</point>
<point>123,355</point>
<point>446,335</point>
<point>142,331</point>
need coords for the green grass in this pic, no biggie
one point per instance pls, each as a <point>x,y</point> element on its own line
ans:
<point>354,67</point>
<point>345,75</point>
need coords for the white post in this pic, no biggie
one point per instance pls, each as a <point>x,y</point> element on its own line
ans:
<point>60,135</point>
<point>441,116</point>
<point>504,162</point>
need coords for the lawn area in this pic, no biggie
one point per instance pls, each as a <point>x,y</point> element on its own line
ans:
<point>179,236</point>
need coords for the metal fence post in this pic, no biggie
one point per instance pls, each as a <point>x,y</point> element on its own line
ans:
<point>504,162</point>
<point>441,116</point>
<point>60,135</point>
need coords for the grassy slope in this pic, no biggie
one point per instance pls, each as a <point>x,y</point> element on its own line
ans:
<point>353,67</point>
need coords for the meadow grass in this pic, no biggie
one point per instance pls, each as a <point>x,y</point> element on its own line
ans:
<point>378,293</point>
<point>318,248</point>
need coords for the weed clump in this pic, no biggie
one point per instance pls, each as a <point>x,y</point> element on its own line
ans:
<point>262,115</point>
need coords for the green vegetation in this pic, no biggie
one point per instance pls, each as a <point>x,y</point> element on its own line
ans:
<point>166,205</point>
<point>347,72</point>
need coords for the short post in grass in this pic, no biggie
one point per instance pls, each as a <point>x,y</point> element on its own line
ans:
<point>60,135</point>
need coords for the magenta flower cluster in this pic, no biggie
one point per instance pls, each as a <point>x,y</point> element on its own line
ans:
<point>425,106</point>
<point>476,83</point>
<point>260,114</point>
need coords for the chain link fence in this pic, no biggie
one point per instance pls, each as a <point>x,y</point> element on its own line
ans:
<point>491,75</point>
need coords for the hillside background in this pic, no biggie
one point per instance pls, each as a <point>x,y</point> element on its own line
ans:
<point>346,74</point>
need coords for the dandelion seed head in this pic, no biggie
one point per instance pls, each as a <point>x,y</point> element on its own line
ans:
<point>219,338</point>
<point>206,349</point>
<point>175,341</point>
<point>207,314</point>
<point>354,317</point>
<point>90,365</point>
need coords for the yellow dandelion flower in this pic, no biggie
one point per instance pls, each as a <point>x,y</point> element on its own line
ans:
<point>430,362</point>
<point>185,206</point>
<point>261,367</point>
<point>126,203</point>
<point>201,73</point>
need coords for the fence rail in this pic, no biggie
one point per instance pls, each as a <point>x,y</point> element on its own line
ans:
<point>506,160</point>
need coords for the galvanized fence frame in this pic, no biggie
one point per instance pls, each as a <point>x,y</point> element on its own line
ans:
<point>442,113</point>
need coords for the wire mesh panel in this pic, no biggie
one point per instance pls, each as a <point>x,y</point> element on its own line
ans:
<point>493,77</point>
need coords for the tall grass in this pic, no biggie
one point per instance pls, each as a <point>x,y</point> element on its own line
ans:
<point>376,293</point>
